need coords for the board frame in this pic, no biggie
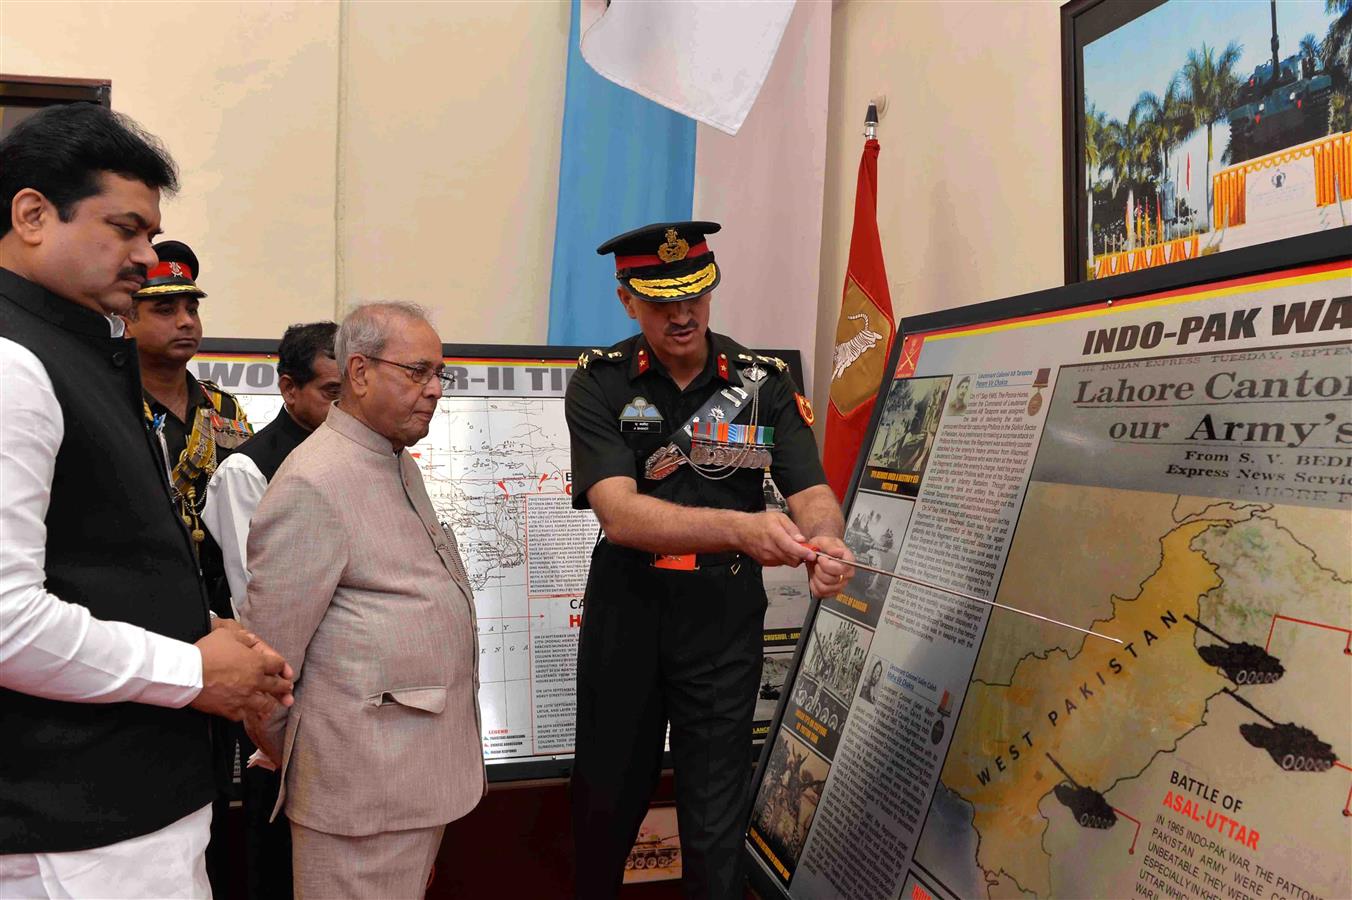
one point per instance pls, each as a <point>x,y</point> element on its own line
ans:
<point>1083,22</point>
<point>1309,249</point>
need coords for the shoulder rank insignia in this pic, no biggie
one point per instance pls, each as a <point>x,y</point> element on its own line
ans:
<point>805,409</point>
<point>774,361</point>
<point>592,355</point>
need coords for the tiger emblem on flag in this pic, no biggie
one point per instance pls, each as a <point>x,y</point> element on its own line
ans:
<point>846,352</point>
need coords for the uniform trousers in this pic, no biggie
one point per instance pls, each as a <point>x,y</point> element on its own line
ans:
<point>661,646</point>
<point>391,865</point>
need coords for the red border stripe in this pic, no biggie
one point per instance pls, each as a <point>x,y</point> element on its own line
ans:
<point>1160,295</point>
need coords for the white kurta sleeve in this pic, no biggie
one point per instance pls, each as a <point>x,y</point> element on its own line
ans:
<point>49,647</point>
<point>232,496</point>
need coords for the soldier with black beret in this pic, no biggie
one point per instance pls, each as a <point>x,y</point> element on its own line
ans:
<point>671,431</point>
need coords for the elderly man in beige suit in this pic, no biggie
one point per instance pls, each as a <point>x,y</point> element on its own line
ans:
<point>354,580</point>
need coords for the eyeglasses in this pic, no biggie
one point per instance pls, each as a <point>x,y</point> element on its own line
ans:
<point>421,373</point>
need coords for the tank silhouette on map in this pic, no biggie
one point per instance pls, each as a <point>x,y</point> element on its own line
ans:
<point>1293,747</point>
<point>1242,662</point>
<point>1089,807</point>
<point>651,854</point>
<point>1284,102</point>
<point>769,690</point>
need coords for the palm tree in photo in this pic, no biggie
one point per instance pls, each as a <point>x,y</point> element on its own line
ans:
<point>1338,41</point>
<point>1167,121</point>
<point>1211,84</point>
<point>1124,152</point>
<point>1095,122</point>
<point>1310,51</point>
<point>1336,56</point>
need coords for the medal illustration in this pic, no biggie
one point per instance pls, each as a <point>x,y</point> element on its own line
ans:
<point>1044,377</point>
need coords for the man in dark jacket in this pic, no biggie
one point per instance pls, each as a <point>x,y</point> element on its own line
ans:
<point>105,634</point>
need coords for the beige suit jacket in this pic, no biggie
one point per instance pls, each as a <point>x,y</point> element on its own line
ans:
<point>356,584</point>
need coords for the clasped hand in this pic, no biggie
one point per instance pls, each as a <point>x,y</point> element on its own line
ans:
<point>241,673</point>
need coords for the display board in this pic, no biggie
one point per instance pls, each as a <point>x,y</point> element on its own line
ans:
<point>1160,468</point>
<point>497,467</point>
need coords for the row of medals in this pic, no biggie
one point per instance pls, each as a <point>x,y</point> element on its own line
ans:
<point>723,455</point>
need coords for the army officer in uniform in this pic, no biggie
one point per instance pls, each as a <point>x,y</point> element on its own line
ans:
<point>196,424</point>
<point>674,606</point>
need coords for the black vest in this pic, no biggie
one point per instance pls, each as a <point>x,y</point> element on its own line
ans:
<point>270,447</point>
<point>81,775</point>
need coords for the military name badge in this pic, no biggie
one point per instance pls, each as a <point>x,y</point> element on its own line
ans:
<point>640,417</point>
<point>805,409</point>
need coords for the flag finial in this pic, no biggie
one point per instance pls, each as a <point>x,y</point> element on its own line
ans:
<point>871,122</point>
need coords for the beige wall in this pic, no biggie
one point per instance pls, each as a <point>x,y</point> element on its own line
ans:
<point>344,151</point>
<point>452,116</point>
<point>969,204</point>
<point>242,94</point>
<point>333,152</point>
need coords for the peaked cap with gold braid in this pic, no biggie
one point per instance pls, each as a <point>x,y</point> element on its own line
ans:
<point>176,273</point>
<point>667,261</point>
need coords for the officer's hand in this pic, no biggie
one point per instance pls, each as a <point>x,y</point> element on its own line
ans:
<point>771,539</point>
<point>239,673</point>
<point>826,576</point>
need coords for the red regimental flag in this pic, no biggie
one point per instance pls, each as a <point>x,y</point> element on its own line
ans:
<point>864,333</point>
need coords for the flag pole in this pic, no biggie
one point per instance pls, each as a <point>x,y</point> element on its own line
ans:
<point>871,122</point>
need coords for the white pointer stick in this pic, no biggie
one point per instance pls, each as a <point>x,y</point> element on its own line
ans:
<point>1022,612</point>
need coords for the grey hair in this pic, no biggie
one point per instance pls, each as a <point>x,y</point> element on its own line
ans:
<point>367,328</point>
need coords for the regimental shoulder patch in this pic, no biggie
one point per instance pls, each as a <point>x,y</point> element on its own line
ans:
<point>805,409</point>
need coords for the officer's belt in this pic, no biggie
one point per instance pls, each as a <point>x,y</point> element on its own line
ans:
<point>685,561</point>
<point>733,400</point>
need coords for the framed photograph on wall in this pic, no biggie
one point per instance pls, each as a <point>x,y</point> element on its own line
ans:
<point>23,95</point>
<point>1198,128</point>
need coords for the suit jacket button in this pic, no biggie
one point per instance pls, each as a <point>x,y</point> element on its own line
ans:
<point>120,358</point>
